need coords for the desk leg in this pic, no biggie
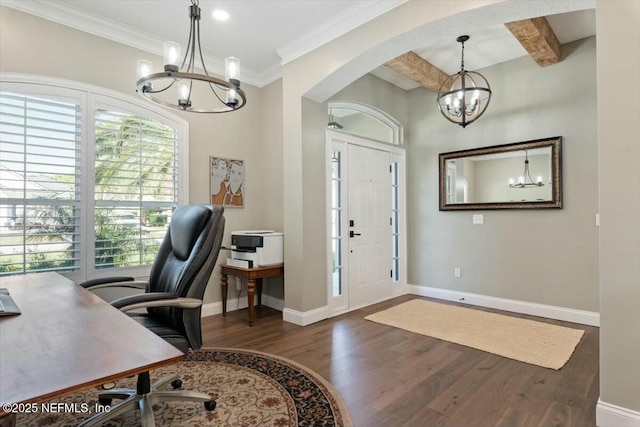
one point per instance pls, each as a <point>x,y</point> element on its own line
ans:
<point>251,291</point>
<point>223,292</point>
<point>259,286</point>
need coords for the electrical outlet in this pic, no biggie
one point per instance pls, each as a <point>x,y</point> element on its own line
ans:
<point>457,273</point>
<point>478,219</point>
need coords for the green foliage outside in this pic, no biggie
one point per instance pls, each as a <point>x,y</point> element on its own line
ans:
<point>153,218</point>
<point>115,245</point>
<point>119,245</point>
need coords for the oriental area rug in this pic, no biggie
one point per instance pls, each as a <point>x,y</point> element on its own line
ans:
<point>250,388</point>
<point>529,341</point>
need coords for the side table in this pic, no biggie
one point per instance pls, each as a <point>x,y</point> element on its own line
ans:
<point>254,277</point>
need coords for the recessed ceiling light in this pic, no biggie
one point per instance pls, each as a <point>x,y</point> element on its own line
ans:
<point>220,15</point>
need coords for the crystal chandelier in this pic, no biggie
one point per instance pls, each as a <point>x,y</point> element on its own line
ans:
<point>180,87</point>
<point>525,180</point>
<point>464,96</point>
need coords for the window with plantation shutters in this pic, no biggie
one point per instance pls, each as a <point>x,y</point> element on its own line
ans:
<point>88,181</point>
<point>135,186</point>
<point>40,210</point>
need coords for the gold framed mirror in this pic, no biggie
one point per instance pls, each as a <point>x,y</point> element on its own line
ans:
<point>522,175</point>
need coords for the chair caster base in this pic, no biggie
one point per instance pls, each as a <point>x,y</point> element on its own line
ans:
<point>210,405</point>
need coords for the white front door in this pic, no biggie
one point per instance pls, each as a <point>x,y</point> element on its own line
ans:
<point>369,228</point>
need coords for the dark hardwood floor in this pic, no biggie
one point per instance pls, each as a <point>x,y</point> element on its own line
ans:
<point>391,377</point>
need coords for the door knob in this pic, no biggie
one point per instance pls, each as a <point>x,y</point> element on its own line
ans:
<point>352,234</point>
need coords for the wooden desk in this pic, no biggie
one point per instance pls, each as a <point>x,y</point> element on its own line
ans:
<point>254,276</point>
<point>67,340</point>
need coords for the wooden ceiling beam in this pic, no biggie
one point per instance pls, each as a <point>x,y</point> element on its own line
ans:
<point>538,38</point>
<point>413,67</point>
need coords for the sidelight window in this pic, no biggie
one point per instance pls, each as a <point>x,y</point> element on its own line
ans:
<point>395,222</point>
<point>336,222</point>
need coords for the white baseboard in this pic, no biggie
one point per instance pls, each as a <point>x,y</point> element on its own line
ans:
<point>550,311</point>
<point>214,308</point>
<point>273,302</point>
<point>307,317</point>
<point>288,315</point>
<point>321,313</point>
<point>211,309</point>
<point>608,415</point>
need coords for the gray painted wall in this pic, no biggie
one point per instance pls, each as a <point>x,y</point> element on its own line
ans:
<point>540,256</point>
<point>314,124</point>
<point>270,146</point>
<point>618,30</point>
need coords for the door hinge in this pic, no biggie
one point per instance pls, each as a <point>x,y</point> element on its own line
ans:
<point>391,273</point>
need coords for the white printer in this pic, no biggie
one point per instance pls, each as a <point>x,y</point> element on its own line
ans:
<point>256,248</point>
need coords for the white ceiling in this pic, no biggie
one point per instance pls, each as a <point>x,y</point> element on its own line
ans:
<point>267,33</point>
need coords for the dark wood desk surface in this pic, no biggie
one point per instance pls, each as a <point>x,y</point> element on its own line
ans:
<point>254,277</point>
<point>67,339</point>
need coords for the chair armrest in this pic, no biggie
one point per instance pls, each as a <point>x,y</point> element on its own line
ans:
<point>99,281</point>
<point>113,282</point>
<point>154,299</point>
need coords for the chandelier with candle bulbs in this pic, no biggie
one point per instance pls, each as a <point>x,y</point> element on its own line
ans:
<point>464,96</point>
<point>181,87</point>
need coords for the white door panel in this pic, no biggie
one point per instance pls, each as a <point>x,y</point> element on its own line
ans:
<point>369,207</point>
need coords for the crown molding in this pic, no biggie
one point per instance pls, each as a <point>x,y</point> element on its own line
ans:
<point>361,12</point>
<point>79,20</point>
<point>111,30</point>
<point>271,75</point>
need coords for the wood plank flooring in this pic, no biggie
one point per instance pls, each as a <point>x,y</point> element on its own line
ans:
<point>391,377</point>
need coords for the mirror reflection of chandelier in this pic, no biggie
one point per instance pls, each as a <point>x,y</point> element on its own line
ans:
<point>464,96</point>
<point>525,180</point>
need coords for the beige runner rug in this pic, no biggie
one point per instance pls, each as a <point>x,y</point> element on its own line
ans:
<point>538,343</point>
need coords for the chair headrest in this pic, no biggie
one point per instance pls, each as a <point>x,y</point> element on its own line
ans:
<point>186,224</point>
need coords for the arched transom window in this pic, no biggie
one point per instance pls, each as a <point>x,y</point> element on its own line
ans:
<point>364,120</point>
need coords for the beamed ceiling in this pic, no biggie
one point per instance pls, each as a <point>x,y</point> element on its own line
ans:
<point>535,35</point>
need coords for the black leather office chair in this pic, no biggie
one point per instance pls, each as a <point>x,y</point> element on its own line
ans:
<point>173,301</point>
